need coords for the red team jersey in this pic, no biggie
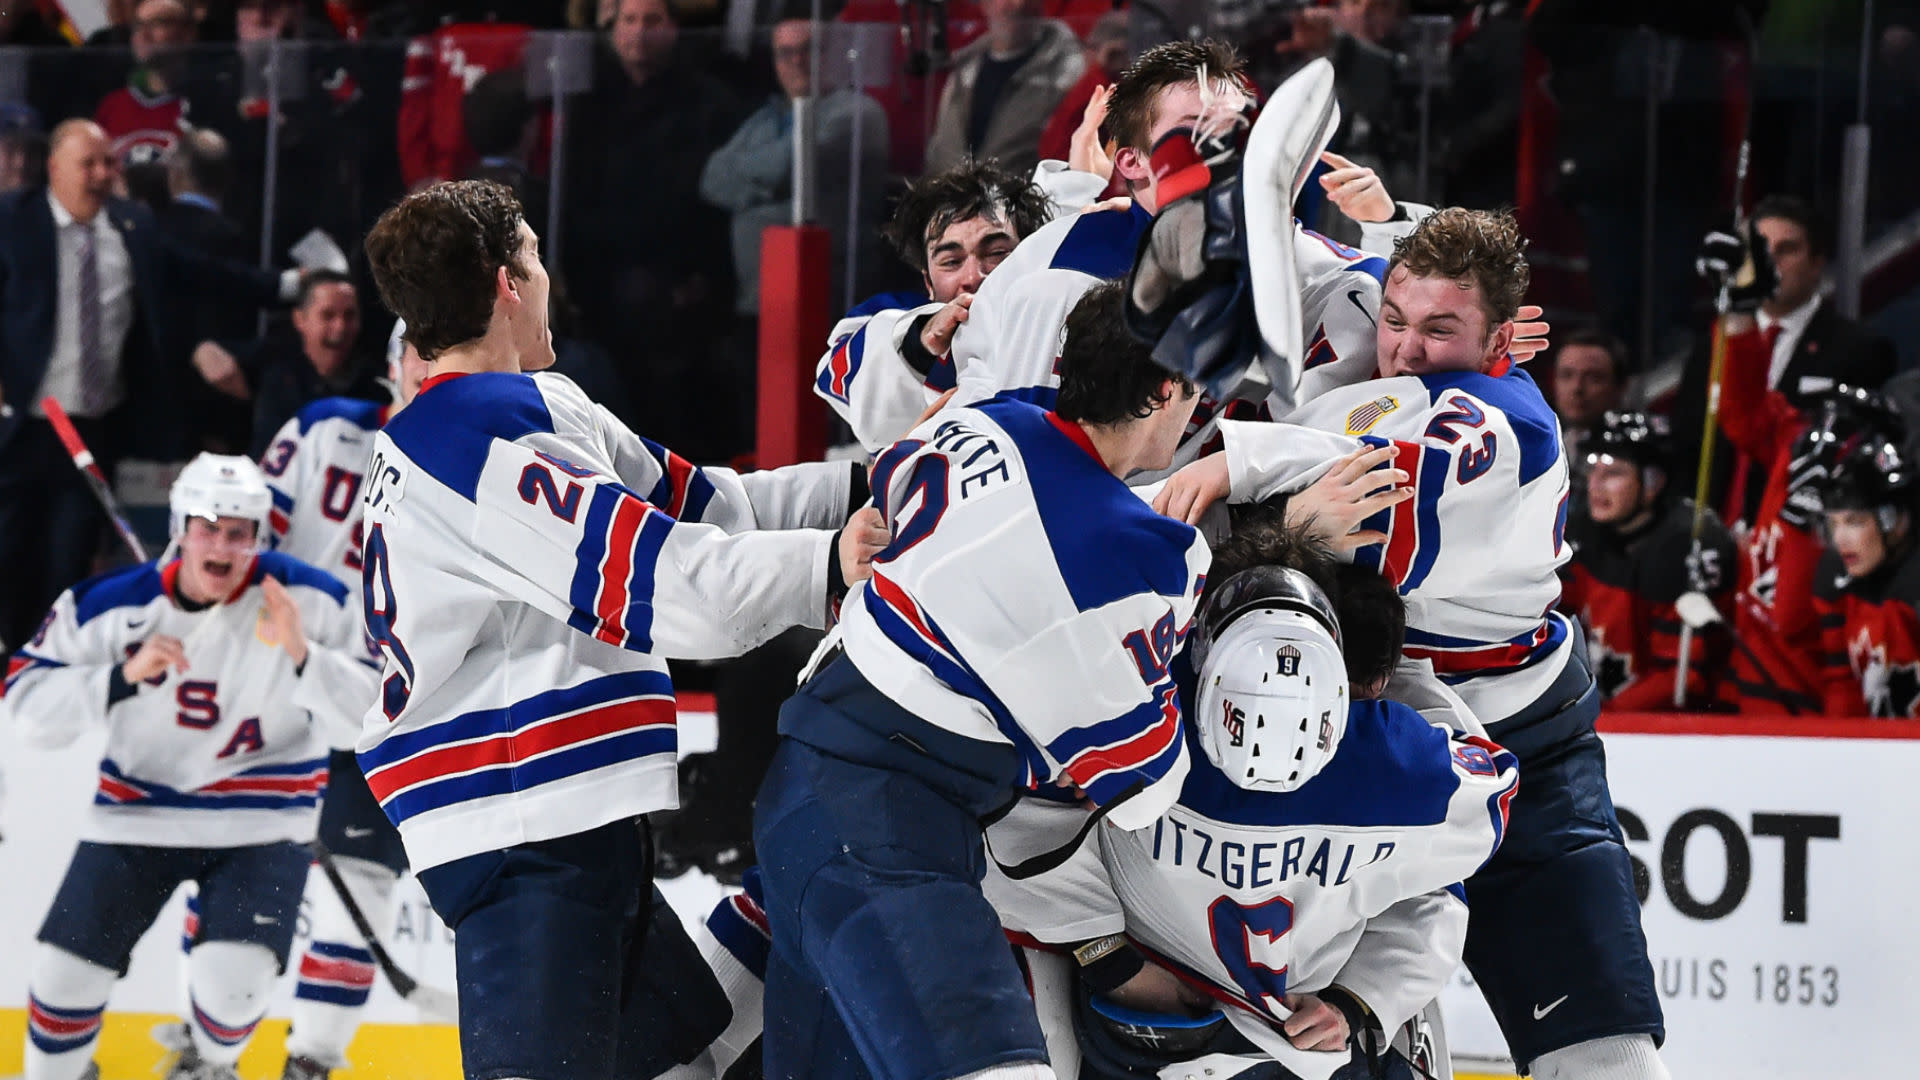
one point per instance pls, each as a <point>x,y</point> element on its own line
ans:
<point>441,67</point>
<point>143,127</point>
<point>1870,638</point>
<point>1624,588</point>
<point>1773,605</point>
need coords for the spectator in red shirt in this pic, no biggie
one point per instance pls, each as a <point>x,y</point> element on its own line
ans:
<point>143,117</point>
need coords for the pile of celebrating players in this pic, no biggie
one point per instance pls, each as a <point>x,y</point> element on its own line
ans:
<point>1193,700</point>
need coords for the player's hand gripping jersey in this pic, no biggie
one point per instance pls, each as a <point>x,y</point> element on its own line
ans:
<point>530,564</point>
<point>1351,879</point>
<point>315,467</point>
<point>1060,649</point>
<point>230,752</point>
<point>866,376</point>
<point>1476,552</point>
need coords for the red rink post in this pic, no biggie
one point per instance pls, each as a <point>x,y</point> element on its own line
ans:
<point>795,265</point>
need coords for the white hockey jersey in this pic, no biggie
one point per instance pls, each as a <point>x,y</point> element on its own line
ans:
<point>530,564</point>
<point>315,467</point>
<point>231,752</point>
<point>1352,879</point>
<point>1476,553</point>
<point>1030,598</point>
<point>865,376</point>
<point>1010,343</point>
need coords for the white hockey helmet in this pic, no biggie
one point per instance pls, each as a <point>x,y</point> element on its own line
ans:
<point>213,486</point>
<point>1273,693</point>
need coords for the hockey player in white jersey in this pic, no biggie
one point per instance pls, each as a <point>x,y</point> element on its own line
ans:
<point>1307,879</point>
<point>887,359</point>
<point>1016,631</point>
<point>221,676</point>
<point>529,565</point>
<point>1484,454</point>
<point>315,466</point>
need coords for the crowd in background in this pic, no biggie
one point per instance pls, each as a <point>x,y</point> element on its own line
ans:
<point>229,129</point>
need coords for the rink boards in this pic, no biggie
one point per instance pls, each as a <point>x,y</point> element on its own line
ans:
<point>1779,871</point>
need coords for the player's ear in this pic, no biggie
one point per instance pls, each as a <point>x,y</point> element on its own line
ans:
<point>1500,342</point>
<point>1132,165</point>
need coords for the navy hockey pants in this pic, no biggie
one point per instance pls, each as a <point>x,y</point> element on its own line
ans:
<point>1554,938</point>
<point>571,966</point>
<point>887,961</point>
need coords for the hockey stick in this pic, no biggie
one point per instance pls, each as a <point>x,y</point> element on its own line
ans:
<point>96,479</point>
<point>1717,367</point>
<point>1696,611</point>
<point>433,1002</point>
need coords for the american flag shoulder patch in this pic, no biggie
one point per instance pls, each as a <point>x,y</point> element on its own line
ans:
<point>1361,420</point>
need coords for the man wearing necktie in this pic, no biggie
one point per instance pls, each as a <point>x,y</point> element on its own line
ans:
<point>89,287</point>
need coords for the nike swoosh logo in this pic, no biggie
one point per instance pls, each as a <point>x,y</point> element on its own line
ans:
<point>1353,297</point>
<point>1540,1012</point>
<point>355,834</point>
<point>264,920</point>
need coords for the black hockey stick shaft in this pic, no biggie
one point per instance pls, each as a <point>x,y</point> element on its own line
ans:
<point>403,983</point>
<point>96,478</point>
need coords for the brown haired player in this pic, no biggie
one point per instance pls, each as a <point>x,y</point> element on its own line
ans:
<point>529,566</point>
<point>887,359</point>
<point>1554,940</point>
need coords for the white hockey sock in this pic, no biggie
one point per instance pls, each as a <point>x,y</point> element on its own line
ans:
<point>1019,1070</point>
<point>231,982</point>
<point>65,1000</point>
<point>734,943</point>
<point>1616,1057</point>
<point>337,971</point>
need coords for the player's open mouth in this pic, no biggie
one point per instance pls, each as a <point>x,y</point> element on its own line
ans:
<point>217,568</point>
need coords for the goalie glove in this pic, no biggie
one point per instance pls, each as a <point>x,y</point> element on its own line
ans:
<point>1739,265</point>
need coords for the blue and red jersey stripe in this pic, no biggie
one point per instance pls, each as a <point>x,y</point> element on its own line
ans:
<point>612,588</point>
<point>547,737</point>
<point>292,786</point>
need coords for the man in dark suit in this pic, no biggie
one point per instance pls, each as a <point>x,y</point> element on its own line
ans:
<point>89,288</point>
<point>1814,346</point>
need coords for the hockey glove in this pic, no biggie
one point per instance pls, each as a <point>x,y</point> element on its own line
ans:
<point>1703,570</point>
<point>1187,294</point>
<point>1741,265</point>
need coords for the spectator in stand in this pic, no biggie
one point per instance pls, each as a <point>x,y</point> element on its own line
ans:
<point>1632,562</point>
<point>1004,87</point>
<point>198,173</point>
<point>143,117</point>
<point>751,177</point>
<point>441,65</point>
<point>23,159</point>
<point>280,374</point>
<point>1106,58</point>
<point>93,288</point>
<point>1589,381</point>
<point>1810,346</point>
<point>648,259</point>
<point>1869,583</point>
